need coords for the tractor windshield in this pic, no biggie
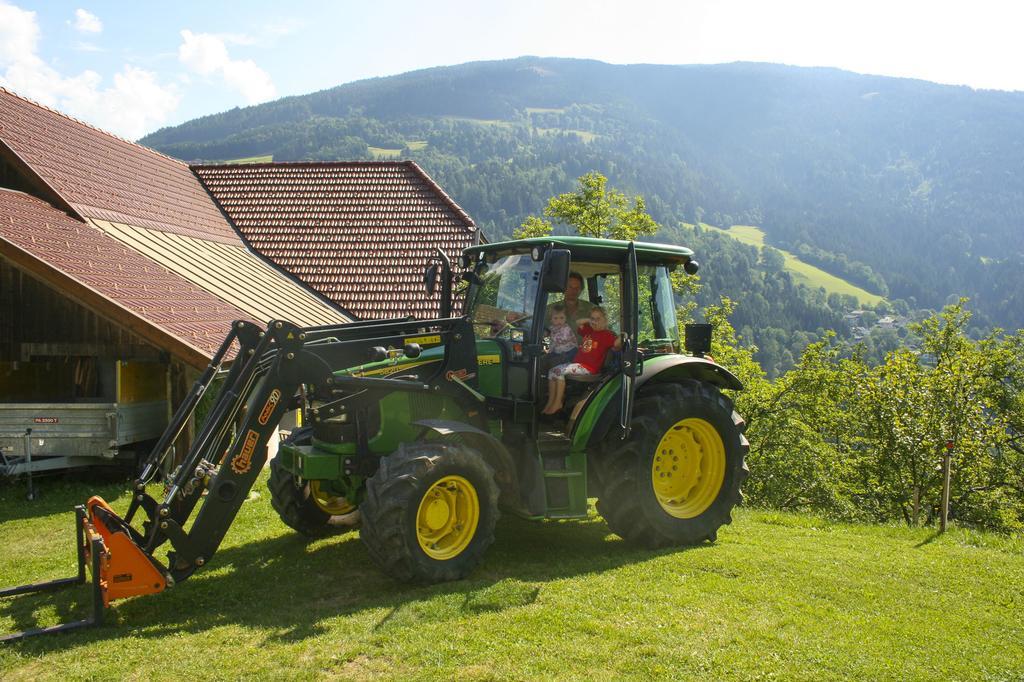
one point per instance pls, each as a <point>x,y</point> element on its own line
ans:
<point>502,304</point>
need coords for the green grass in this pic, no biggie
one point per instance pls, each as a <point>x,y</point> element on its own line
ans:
<point>416,145</point>
<point>779,596</point>
<point>803,273</point>
<point>382,153</point>
<point>253,159</point>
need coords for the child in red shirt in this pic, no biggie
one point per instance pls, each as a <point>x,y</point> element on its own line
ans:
<point>589,358</point>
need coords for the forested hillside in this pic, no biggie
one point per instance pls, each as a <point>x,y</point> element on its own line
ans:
<point>909,189</point>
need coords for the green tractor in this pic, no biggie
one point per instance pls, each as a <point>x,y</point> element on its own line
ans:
<point>651,437</point>
<point>418,431</point>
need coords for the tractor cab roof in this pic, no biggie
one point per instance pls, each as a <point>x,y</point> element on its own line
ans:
<point>590,249</point>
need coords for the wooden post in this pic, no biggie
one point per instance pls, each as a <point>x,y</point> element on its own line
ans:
<point>944,511</point>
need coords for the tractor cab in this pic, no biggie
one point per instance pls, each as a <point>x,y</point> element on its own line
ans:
<point>514,287</point>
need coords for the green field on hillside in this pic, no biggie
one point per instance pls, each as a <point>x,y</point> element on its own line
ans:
<point>491,122</point>
<point>803,273</point>
<point>253,159</point>
<point>779,596</point>
<point>382,153</point>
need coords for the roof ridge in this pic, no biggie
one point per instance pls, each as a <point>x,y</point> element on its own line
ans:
<point>459,211</point>
<point>275,164</point>
<point>79,121</point>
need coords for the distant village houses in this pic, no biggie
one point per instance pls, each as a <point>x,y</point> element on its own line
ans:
<point>861,322</point>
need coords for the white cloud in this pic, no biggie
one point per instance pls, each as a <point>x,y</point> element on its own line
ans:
<point>135,104</point>
<point>19,32</point>
<point>203,53</point>
<point>87,22</point>
<point>207,55</point>
<point>253,82</point>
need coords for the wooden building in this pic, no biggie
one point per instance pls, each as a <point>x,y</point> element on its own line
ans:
<point>119,278</point>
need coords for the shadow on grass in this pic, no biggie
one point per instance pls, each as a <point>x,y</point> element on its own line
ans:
<point>293,588</point>
<point>929,540</point>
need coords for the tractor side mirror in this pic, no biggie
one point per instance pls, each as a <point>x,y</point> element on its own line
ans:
<point>430,278</point>
<point>554,273</point>
<point>698,339</point>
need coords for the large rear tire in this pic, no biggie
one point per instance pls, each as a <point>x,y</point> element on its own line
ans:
<point>429,512</point>
<point>306,507</point>
<point>677,477</point>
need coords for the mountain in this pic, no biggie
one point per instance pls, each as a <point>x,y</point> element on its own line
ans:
<point>906,188</point>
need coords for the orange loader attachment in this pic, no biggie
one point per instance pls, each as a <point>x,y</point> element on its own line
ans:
<point>125,569</point>
<point>119,567</point>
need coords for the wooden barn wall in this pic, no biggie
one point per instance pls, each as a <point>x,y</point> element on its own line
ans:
<point>39,321</point>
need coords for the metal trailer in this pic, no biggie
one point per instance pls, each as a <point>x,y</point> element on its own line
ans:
<point>45,437</point>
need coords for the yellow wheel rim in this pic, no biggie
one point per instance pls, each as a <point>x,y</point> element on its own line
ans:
<point>334,505</point>
<point>688,468</point>
<point>447,518</point>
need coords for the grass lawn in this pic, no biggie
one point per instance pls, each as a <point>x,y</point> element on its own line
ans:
<point>253,159</point>
<point>803,273</point>
<point>779,596</point>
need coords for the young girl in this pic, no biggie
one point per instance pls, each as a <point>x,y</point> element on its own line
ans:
<point>589,358</point>
<point>563,339</point>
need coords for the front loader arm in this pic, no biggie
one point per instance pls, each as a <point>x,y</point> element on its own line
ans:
<point>269,392</point>
<point>269,367</point>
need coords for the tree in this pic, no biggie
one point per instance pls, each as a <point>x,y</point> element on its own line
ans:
<point>838,435</point>
<point>593,210</point>
<point>800,433</point>
<point>533,227</point>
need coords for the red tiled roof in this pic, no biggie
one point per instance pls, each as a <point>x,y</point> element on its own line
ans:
<point>359,232</point>
<point>102,176</point>
<point>133,234</point>
<point>82,259</point>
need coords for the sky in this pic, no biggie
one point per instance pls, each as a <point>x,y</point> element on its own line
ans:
<point>132,68</point>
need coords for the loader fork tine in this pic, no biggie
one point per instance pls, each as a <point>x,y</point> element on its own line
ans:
<point>90,550</point>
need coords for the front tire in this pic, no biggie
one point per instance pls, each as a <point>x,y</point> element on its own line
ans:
<point>306,508</point>
<point>429,512</point>
<point>676,479</point>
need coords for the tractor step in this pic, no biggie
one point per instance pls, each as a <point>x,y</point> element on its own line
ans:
<point>563,483</point>
<point>553,445</point>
